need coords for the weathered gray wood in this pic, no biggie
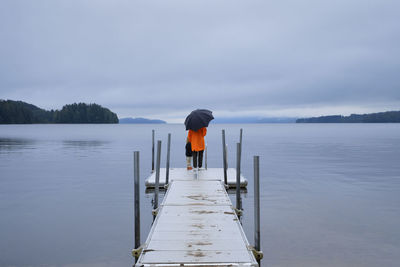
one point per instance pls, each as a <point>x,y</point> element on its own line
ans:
<point>196,226</point>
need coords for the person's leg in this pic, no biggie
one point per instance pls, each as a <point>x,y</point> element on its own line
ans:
<point>195,154</point>
<point>189,163</point>
<point>201,158</point>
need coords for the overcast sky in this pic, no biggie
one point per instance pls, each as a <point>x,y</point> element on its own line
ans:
<point>162,59</point>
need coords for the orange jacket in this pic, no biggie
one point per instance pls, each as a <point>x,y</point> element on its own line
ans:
<point>197,139</point>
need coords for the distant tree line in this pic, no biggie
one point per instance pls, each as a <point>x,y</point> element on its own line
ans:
<point>381,117</point>
<point>140,120</point>
<point>18,112</point>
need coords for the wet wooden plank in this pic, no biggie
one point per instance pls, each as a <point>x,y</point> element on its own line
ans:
<point>199,193</point>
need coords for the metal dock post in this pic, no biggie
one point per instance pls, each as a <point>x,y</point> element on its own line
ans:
<point>168,157</point>
<point>137,203</point>
<point>257,244</point>
<point>224,157</point>
<point>238,197</point>
<point>240,138</point>
<point>156,189</point>
<point>152,151</point>
<point>205,165</point>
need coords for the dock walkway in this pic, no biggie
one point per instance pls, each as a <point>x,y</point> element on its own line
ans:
<point>196,225</point>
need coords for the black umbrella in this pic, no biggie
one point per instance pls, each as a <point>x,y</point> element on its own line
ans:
<point>198,118</point>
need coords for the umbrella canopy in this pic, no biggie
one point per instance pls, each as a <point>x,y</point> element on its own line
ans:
<point>198,118</point>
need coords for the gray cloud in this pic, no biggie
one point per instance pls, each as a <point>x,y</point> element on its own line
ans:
<point>164,58</point>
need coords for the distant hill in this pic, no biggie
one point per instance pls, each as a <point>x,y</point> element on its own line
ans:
<point>254,120</point>
<point>12,112</point>
<point>381,117</point>
<point>141,120</point>
<point>18,112</point>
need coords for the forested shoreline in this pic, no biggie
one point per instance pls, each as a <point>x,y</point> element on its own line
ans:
<point>381,117</point>
<point>19,112</point>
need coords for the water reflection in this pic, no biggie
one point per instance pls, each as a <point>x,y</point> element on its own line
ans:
<point>84,144</point>
<point>85,148</point>
<point>8,145</point>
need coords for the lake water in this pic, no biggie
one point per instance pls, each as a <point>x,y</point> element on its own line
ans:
<point>330,193</point>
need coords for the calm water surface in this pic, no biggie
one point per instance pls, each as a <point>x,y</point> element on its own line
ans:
<point>330,193</point>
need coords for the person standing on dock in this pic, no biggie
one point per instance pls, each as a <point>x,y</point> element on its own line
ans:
<point>196,138</point>
<point>196,122</point>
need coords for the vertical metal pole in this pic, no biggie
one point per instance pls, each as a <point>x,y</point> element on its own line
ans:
<point>156,187</point>
<point>152,152</point>
<point>224,157</point>
<point>168,156</point>
<point>240,139</point>
<point>137,197</point>
<point>238,161</point>
<point>257,203</point>
<point>205,158</point>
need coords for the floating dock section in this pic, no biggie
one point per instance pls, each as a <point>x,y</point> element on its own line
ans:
<point>216,174</point>
<point>196,224</point>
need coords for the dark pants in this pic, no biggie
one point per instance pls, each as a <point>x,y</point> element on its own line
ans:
<point>198,158</point>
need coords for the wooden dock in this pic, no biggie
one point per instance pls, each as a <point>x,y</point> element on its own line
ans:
<point>216,174</point>
<point>196,225</point>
